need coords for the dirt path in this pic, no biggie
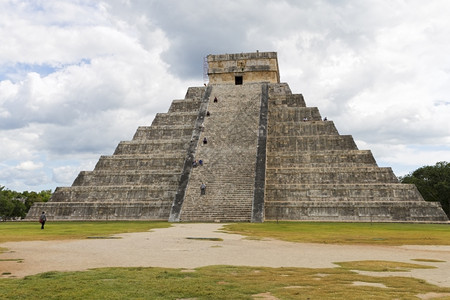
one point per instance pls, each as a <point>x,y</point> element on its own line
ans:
<point>170,247</point>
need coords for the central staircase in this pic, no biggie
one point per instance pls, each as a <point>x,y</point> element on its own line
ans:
<point>229,157</point>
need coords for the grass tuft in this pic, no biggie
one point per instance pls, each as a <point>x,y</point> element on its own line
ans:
<point>381,266</point>
<point>346,233</point>
<point>19,260</point>
<point>215,282</point>
<point>30,231</point>
<point>427,260</point>
<point>205,239</point>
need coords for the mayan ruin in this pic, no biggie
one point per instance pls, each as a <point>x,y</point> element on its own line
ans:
<point>243,148</point>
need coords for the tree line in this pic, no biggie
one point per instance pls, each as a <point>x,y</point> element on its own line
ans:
<point>15,205</point>
<point>433,182</point>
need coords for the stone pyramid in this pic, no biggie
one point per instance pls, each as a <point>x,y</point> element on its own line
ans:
<point>267,156</point>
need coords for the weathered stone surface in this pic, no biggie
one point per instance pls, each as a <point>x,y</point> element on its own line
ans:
<point>176,118</point>
<point>188,166</point>
<point>140,162</point>
<point>113,211</point>
<point>317,159</point>
<point>163,132</point>
<point>229,157</point>
<point>268,157</point>
<point>313,173</point>
<point>148,147</point>
<point>252,67</point>
<point>140,180</point>
<point>363,211</point>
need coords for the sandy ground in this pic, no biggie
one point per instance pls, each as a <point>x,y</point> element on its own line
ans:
<point>170,247</point>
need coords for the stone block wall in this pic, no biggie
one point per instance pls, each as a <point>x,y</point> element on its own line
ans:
<point>314,173</point>
<point>140,180</point>
<point>252,67</point>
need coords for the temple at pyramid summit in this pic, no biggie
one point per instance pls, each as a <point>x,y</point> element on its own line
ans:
<point>243,148</point>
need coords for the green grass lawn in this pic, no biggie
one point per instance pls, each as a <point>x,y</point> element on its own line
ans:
<point>347,233</point>
<point>31,231</point>
<point>308,232</point>
<point>234,282</point>
<point>215,282</point>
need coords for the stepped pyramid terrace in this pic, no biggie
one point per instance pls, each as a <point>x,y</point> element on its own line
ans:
<point>268,156</point>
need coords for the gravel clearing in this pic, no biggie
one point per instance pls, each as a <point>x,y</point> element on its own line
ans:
<point>192,245</point>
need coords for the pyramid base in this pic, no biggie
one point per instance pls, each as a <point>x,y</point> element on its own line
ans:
<point>96,211</point>
<point>356,211</point>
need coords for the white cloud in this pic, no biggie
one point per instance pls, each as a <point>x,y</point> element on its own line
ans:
<point>65,175</point>
<point>29,165</point>
<point>78,77</point>
<point>405,158</point>
<point>23,175</point>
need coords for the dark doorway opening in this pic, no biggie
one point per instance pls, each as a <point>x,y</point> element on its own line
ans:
<point>238,80</point>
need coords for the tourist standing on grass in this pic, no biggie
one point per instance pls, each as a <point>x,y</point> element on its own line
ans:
<point>42,219</point>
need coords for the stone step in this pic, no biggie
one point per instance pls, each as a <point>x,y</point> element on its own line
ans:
<point>186,105</point>
<point>140,162</point>
<point>85,211</point>
<point>218,167</point>
<point>219,140</point>
<point>217,214</point>
<point>219,198</point>
<point>229,157</point>
<point>108,178</point>
<point>362,211</point>
<point>163,132</point>
<point>324,158</point>
<point>330,175</point>
<point>281,144</point>
<point>227,185</point>
<point>293,114</point>
<point>175,118</point>
<point>341,192</point>
<point>223,179</point>
<point>277,89</point>
<point>209,208</point>
<point>195,93</point>
<point>221,214</point>
<point>223,170</point>
<point>217,219</point>
<point>302,128</point>
<point>290,100</point>
<point>163,191</point>
<point>225,194</point>
<point>242,210</point>
<point>151,146</point>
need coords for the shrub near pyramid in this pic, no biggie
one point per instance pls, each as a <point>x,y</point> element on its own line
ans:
<point>265,156</point>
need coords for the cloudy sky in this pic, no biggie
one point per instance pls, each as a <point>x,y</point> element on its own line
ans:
<point>77,77</point>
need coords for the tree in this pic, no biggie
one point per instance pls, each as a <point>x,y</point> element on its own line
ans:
<point>6,208</point>
<point>19,210</point>
<point>16,205</point>
<point>31,197</point>
<point>433,182</point>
